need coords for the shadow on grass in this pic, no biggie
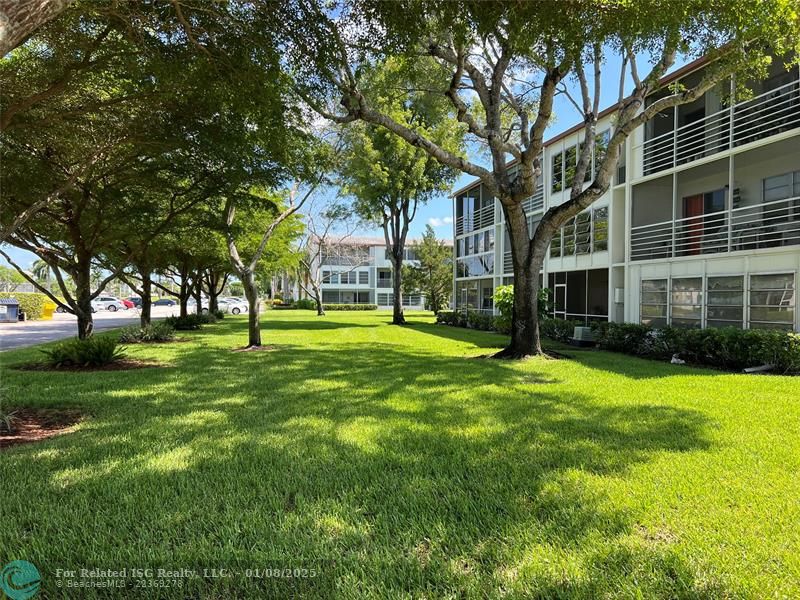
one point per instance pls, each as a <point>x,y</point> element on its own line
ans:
<point>394,471</point>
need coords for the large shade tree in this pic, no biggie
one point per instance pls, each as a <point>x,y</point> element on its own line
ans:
<point>505,63</point>
<point>388,178</point>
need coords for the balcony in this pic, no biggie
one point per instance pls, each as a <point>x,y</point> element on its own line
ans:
<point>766,225</point>
<point>483,217</point>
<point>768,114</point>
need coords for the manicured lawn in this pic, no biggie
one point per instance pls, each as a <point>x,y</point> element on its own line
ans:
<point>395,464</point>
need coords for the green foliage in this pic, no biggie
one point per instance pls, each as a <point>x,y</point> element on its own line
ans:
<point>451,317</point>
<point>305,304</point>
<point>32,303</point>
<point>188,323</point>
<point>483,321</point>
<point>10,278</point>
<point>95,351</point>
<point>434,275</point>
<point>726,348</point>
<point>350,307</point>
<point>560,330</point>
<point>157,331</point>
<point>218,315</point>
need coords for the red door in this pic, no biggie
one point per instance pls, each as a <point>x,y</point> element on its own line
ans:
<point>693,213</point>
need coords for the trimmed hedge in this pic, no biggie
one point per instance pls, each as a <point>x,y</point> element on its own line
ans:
<point>190,321</point>
<point>31,303</point>
<point>154,332</point>
<point>350,306</point>
<point>727,348</point>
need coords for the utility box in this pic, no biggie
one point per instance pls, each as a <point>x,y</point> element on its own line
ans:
<point>582,336</point>
<point>9,310</point>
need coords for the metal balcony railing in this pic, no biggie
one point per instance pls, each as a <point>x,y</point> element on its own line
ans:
<point>384,283</point>
<point>767,225</point>
<point>483,217</point>
<point>768,114</point>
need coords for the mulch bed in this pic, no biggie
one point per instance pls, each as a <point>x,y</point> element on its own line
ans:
<point>35,424</point>
<point>125,364</point>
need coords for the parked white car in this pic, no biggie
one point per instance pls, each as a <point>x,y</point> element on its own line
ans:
<point>232,305</point>
<point>107,303</point>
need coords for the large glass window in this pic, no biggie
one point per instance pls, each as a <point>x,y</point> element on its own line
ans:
<point>772,301</point>
<point>557,183</point>
<point>783,187</point>
<point>600,228</point>
<point>555,244</point>
<point>686,308</point>
<point>725,301</point>
<point>363,277</point>
<point>653,304</point>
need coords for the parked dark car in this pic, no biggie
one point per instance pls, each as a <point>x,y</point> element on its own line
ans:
<point>135,300</point>
<point>164,302</point>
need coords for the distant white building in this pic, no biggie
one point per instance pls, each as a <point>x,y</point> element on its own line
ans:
<point>700,227</point>
<point>356,270</point>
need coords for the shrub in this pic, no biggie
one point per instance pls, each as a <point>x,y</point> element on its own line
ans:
<point>218,315</point>
<point>207,318</point>
<point>187,323</point>
<point>350,306</point>
<point>305,304</point>
<point>31,303</point>
<point>154,332</point>
<point>91,352</point>
<point>453,318</point>
<point>727,348</point>
<point>558,329</point>
<point>504,302</point>
<point>480,320</point>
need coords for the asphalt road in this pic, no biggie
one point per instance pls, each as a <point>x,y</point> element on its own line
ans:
<point>28,333</point>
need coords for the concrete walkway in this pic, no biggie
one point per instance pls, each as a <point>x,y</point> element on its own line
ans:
<point>29,333</point>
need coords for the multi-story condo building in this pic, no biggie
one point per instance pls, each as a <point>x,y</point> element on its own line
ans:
<point>356,270</point>
<point>700,227</point>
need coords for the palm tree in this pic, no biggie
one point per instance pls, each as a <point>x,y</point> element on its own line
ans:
<point>40,271</point>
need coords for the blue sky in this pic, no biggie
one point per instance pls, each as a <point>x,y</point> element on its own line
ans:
<point>438,211</point>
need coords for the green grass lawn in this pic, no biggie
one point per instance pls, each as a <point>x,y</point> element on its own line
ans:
<point>394,463</point>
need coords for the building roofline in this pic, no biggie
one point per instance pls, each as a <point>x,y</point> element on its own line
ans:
<point>667,79</point>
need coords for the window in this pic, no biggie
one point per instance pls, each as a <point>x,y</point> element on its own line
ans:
<point>330,296</point>
<point>363,277</point>
<point>460,247</point>
<point>334,278</point>
<point>555,244</point>
<point>782,187</point>
<point>349,277</point>
<point>686,309</point>
<point>558,172</point>
<point>570,164</point>
<point>488,241</point>
<point>583,233</point>
<point>725,301</point>
<point>568,248</point>
<point>653,303</point>
<point>600,228</point>
<point>326,276</point>
<point>601,141</point>
<point>772,301</point>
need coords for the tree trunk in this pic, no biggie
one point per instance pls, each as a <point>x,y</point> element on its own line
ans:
<point>253,324</point>
<point>147,299</point>
<point>183,294</point>
<point>398,318</point>
<point>318,300</point>
<point>524,324</point>
<point>197,292</point>
<point>83,299</point>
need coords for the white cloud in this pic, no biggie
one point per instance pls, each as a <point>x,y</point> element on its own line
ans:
<point>440,222</point>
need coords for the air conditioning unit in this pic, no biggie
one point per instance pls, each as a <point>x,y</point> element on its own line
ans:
<point>582,336</point>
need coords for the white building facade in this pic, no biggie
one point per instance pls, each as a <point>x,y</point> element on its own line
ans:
<point>700,227</point>
<point>356,270</point>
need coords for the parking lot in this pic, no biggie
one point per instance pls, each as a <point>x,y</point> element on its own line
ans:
<point>28,333</point>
